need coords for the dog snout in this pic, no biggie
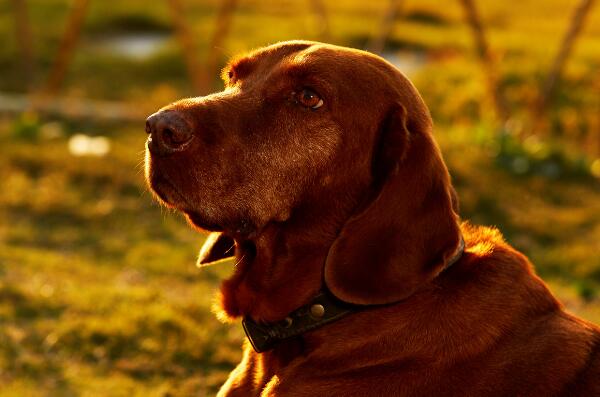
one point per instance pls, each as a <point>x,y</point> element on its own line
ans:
<point>168,132</point>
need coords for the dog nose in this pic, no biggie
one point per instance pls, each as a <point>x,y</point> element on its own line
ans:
<point>168,132</point>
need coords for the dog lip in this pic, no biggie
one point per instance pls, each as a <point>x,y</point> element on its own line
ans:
<point>172,197</point>
<point>167,192</point>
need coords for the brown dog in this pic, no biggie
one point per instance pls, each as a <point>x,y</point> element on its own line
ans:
<point>318,163</point>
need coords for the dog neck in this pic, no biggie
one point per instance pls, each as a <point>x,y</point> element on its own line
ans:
<point>281,267</point>
<point>323,309</point>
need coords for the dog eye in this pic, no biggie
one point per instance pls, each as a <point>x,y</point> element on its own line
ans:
<point>309,98</point>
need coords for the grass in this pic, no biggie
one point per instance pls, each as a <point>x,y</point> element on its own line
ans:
<point>99,294</point>
<point>98,289</point>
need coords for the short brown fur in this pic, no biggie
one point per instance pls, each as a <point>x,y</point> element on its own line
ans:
<point>354,197</point>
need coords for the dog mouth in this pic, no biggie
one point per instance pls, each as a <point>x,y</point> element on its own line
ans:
<point>172,198</point>
<point>164,190</point>
<point>170,195</point>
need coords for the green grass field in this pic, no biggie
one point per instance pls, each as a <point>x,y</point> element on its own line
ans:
<point>99,295</point>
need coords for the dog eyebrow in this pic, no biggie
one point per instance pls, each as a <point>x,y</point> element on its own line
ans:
<point>309,73</point>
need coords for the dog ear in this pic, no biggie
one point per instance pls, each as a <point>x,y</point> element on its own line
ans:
<point>217,246</point>
<point>408,231</point>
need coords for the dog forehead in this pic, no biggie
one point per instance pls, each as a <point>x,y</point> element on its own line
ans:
<point>274,52</point>
<point>296,55</point>
<point>298,52</point>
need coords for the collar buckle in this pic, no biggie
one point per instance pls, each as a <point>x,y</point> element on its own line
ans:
<point>323,309</point>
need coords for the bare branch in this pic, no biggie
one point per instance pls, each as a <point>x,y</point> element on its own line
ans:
<point>67,46</point>
<point>222,28</point>
<point>377,44</point>
<point>486,58</point>
<point>23,35</point>
<point>184,36</point>
<point>577,22</point>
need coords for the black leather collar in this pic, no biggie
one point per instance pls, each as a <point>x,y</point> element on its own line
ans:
<point>322,309</point>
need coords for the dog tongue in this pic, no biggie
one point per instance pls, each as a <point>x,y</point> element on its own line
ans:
<point>216,248</point>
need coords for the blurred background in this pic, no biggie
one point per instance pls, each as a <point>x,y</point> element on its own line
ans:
<point>99,295</point>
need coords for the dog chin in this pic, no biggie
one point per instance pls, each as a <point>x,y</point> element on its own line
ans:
<point>239,228</point>
<point>200,222</point>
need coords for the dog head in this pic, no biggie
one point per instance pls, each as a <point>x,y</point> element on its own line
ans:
<point>308,125</point>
